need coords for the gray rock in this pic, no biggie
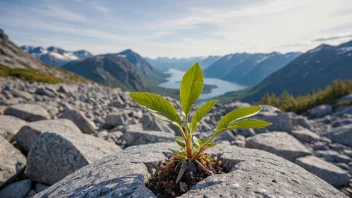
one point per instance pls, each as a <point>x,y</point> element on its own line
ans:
<point>118,102</point>
<point>29,134</point>
<point>280,122</point>
<point>9,126</point>
<point>40,187</point>
<point>55,156</point>
<point>253,173</point>
<point>268,108</point>
<point>279,143</point>
<point>320,111</point>
<point>325,170</point>
<point>16,190</point>
<point>304,135</point>
<point>345,98</point>
<point>342,135</point>
<point>86,125</point>
<point>344,110</point>
<point>22,94</point>
<point>45,91</point>
<point>137,137</point>
<point>150,123</point>
<point>116,119</point>
<point>342,122</point>
<point>28,112</point>
<point>333,156</point>
<point>12,161</point>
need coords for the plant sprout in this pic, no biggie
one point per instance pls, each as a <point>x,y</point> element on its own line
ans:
<point>191,88</point>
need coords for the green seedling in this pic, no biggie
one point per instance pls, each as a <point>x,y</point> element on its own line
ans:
<point>191,88</point>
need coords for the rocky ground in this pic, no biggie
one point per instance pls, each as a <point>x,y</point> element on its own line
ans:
<point>48,132</point>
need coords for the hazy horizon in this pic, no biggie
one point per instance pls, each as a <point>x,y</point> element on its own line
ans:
<point>178,28</point>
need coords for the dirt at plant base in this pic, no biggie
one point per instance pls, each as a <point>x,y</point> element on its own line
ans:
<point>163,183</point>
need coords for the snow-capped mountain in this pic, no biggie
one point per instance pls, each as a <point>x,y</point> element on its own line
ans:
<point>165,63</point>
<point>55,56</point>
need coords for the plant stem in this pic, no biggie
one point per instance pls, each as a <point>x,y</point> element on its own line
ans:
<point>188,140</point>
<point>200,165</point>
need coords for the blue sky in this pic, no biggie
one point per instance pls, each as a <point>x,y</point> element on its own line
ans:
<point>178,28</point>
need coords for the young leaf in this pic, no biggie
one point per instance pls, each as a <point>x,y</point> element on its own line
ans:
<point>236,115</point>
<point>249,123</point>
<point>179,141</point>
<point>175,152</point>
<point>200,113</point>
<point>191,87</point>
<point>158,105</point>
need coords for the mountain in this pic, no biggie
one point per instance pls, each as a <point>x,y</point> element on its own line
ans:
<point>16,63</point>
<point>146,70</point>
<point>248,69</point>
<point>55,56</point>
<point>313,70</point>
<point>125,69</point>
<point>165,63</point>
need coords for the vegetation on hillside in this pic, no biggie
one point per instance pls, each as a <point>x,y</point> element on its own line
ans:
<point>28,74</point>
<point>300,104</point>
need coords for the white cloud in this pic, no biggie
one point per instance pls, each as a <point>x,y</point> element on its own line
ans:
<point>60,13</point>
<point>102,8</point>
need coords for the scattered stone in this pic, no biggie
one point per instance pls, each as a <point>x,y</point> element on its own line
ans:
<point>40,187</point>
<point>45,91</point>
<point>325,170</point>
<point>135,137</point>
<point>16,190</point>
<point>12,161</point>
<point>86,125</point>
<point>304,135</point>
<point>9,126</point>
<point>54,156</point>
<point>320,111</point>
<point>116,119</point>
<point>279,143</point>
<point>280,122</point>
<point>22,94</point>
<point>28,112</point>
<point>333,156</point>
<point>342,135</point>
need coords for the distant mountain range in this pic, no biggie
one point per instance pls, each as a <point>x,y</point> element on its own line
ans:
<point>248,69</point>
<point>125,69</point>
<point>165,63</point>
<point>55,56</point>
<point>312,70</point>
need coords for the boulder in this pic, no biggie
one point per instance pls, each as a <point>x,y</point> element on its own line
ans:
<point>280,122</point>
<point>325,170</point>
<point>342,135</point>
<point>12,161</point>
<point>29,134</point>
<point>345,98</point>
<point>305,135</point>
<point>138,137</point>
<point>253,173</point>
<point>116,119</point>
<point>118,102</point>
<point>86,125</point>
<point>9,126</point>
<point>278,143</point>
<point>16,190</point>
<point>54,155</point>
<point>28,112</point>
<point>320,111</point>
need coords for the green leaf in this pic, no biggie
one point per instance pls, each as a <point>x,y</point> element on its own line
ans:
<point>158,105</point>
<point>200,113</point>
<point>249,123</point>
<point>211,145</point>
<point>191,87</point>
<point>175,152</point>
<point>179,141</point>
<point>235,115</point>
